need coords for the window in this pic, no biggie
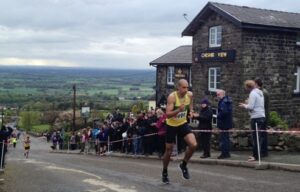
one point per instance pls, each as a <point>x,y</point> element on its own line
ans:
<point>215,36</point>
<point>215,113</point>
<point>214,79</point>
<point>170,75</point>
<point>297,74</point>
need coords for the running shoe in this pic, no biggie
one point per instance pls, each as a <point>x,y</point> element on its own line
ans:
<point>165,178</point>
<point>185,171</point>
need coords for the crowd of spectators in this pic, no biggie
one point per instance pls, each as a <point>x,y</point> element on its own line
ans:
<point>141,134</point>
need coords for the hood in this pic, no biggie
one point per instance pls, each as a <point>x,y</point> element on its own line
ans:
<point>226,99</point>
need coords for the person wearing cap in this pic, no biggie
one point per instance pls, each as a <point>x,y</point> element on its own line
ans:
<point>205,125</point>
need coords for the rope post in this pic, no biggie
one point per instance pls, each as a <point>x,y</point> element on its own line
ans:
<point>258,144</point>
<point>68,146</point>
<point>2,155</point>
<point>108,145</point>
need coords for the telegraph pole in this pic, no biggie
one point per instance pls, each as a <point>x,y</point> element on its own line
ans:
<point>2,119</point>
<point>74,106</point>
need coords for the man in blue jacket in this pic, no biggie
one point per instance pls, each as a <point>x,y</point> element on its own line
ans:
<point>224,122</point>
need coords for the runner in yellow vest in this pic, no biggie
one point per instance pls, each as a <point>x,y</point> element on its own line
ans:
<point>179,104</point>
<point>26,146</point>
<point>14,141</point>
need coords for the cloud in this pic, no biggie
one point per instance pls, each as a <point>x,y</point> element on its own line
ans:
<point>100,33</point>
<point>36,62</point>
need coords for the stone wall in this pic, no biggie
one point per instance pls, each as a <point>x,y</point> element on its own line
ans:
<point>162,89</point>
<point>243,141</point>
<point>271,55</point>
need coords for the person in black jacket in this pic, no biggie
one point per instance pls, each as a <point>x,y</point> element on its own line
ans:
<point>4,134</point>
<point>224,122</point>
<point>205,124</point>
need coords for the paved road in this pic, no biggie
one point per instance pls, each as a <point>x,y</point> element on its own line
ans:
<point>45,171</point>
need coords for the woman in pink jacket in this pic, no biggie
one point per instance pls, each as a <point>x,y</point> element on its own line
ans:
<point>161,128</point>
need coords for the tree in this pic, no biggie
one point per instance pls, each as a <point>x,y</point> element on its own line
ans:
<point>29,118</point>
<point>49,117</point>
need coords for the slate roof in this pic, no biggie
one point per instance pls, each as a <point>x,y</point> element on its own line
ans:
<point>247,17</point>
<point>180,56</point>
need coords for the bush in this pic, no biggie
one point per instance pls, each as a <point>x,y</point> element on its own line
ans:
<point>40,128</point>
<point>276,121</point>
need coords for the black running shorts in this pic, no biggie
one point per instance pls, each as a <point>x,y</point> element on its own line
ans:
<point>181,131</point>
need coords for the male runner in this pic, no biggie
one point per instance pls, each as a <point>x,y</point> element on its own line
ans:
<point>179,104</point>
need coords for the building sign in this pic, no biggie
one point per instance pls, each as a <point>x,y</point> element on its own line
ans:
<point>179,74</point>
<point>216,55</point>
<point>85,112</point>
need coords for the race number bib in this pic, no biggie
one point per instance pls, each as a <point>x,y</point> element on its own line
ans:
<point>181,115</point>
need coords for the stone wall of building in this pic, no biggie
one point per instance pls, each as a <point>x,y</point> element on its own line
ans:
<point>162,88</point>
<point>271,56</point>
<point>230,71</point>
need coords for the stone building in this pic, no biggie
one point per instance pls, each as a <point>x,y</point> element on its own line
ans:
<point>234,43</point>
<point>171,67</point>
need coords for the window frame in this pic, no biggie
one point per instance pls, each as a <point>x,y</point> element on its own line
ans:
<point>215,114</point>
<point>215,34</point>
<point>170,75</point>
<point>215,77</point>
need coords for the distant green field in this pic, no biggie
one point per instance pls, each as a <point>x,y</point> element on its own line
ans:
<point>29,84</point>
<point>19,91</point>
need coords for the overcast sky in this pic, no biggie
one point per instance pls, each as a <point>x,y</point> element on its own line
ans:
<point>101,33</point>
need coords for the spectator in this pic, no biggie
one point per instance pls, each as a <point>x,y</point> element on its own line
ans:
<point>264,135</point>
<point>84,138</point>
<point>60,139</point>
<point>54,141</point>
<point>205,123</point>
<point>4,134</point>
<point>103,137</point>
<point>161,129</point>
<point>224,122</point>
<point>73,141</point>
<point>255,106</point>
<point>48,136</point>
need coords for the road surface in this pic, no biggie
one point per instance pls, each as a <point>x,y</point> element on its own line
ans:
<point>53,172</point>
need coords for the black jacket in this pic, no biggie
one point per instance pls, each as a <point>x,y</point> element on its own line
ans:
<point>205,119</point>
<point>4,135</point>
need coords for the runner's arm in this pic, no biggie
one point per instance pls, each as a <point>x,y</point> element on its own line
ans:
<point>191,106</point>
<point>170,112</point>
